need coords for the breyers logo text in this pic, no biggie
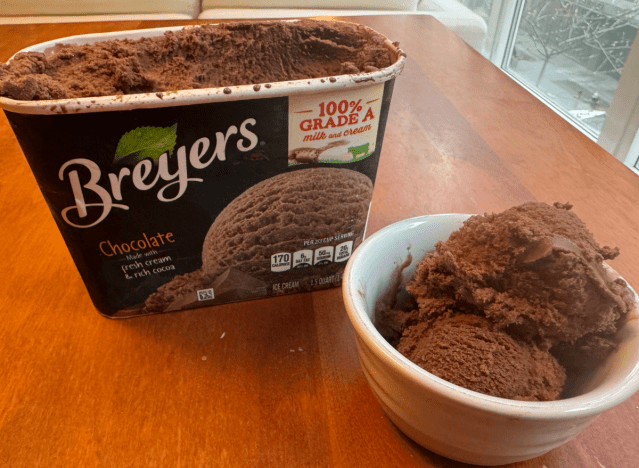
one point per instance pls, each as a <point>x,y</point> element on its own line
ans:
<point>142,175</point>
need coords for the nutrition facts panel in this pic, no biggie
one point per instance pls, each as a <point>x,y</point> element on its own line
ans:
<point>284,261</point>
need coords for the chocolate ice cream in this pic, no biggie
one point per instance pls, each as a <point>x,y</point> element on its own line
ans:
<point>469,351</point>
<point>522,294</point>
<point>206,56</point>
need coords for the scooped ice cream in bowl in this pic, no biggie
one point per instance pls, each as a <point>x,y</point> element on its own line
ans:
<point>493,339</point>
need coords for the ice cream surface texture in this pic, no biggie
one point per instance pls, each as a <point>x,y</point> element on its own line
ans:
<point>468,351</point>
<point>512,304</point>
<point>225,54</point>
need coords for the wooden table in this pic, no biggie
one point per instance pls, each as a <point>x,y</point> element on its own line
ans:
<point>277,382</point>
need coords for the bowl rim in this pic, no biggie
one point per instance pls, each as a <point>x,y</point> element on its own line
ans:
<point>580,406</point>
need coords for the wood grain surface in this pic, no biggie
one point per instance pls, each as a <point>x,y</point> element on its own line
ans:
<point>277,382</point>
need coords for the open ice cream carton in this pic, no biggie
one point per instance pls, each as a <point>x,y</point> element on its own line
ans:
<point>169,200</point>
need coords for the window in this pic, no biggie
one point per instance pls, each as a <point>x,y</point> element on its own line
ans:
<point>570,54</point>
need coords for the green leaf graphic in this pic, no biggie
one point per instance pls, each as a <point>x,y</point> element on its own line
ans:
<point>146,142</point>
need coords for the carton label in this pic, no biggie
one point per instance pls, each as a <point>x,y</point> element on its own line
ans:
<point>173,208</point>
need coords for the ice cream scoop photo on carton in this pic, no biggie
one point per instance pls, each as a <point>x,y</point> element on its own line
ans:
<point>194,166</point>
<point>451,409</point>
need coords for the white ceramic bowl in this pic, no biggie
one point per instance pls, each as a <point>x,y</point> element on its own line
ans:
<point>447,419</point>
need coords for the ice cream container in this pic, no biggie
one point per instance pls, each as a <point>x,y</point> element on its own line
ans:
<point>182,199</point>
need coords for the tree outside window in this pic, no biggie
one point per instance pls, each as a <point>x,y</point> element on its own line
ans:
<point>572,52</point>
